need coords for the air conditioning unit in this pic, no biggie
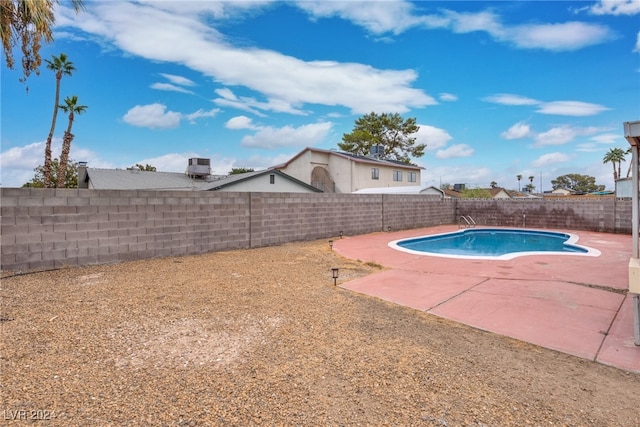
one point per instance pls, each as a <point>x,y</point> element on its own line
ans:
<point>199,168</point>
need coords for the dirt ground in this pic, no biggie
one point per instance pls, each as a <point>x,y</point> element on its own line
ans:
<point>262,337</point>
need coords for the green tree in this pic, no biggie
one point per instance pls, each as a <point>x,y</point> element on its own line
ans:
<point>577,183</point>
<point>72,108</point>
<point>389,131</point>
<point>493,184</point>
<point>70,176</point>
<point>519,178</point>
<point>28,23</point>
<point>60,65</point>
<point>147,167</point>
<point>236,171</point>
<point>530,187</point>
<point>615,156</point>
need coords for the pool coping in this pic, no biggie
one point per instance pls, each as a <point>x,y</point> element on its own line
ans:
<point>577,305</point>
<point>572,240</point>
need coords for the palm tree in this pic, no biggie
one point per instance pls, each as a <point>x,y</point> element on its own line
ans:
<point>615,156</point>
<point>518,177</point>
<point>71,107</point>
<point>61,66</point>
<point>493,184</point>
<point>531,187</point>
<point>27,22</point>
<point>630,162</point>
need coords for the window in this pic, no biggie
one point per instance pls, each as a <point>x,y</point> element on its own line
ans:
<point>411,176</point>
<point>397,175</point>
<point>375,173</point>
<point>272,179</point>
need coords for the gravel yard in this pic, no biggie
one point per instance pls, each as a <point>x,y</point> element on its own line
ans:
<point>262,337</point>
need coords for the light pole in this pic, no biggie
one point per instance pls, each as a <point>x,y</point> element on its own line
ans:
<point>632,135</point>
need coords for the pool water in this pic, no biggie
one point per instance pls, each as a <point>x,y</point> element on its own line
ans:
<point>494,243</point>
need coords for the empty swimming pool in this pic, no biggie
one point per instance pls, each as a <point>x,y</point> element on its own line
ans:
<point>494,243</point>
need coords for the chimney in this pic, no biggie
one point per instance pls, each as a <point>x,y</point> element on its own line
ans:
<point>83,182</point>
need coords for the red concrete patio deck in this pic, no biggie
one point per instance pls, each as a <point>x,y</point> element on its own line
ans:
<point>573,304</point>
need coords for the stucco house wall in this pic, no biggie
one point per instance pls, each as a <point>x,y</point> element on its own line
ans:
<point>347,173</point>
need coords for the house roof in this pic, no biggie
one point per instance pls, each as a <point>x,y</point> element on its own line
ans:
<point>237,178</point>
<point>353,158</point>
<point>133,179</point>
<point>125,179</point>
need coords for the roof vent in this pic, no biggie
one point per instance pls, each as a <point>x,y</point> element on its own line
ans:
<point>199,168</point>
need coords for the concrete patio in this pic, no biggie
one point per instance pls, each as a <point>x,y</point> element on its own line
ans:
<point>573,304</point>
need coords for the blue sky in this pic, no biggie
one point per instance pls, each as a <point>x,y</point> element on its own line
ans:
<point>500,88</point>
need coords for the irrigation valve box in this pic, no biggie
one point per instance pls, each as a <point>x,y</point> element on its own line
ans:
<point>634,276</point>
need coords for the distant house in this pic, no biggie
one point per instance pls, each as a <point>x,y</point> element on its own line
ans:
<point>558,192</point>
<point>409,189</point>
<point>339,172</point>
<point>196,178</point>
<point>499,193</point>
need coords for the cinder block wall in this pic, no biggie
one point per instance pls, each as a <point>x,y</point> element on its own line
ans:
<point>608,214</point>
<point>52,228</point>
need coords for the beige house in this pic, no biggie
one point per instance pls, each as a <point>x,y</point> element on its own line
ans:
<point>339,172</point>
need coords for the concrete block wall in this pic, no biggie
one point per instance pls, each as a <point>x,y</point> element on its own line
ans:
<point>598,214</point>
<point>52,228</point>
<point>402,212</point>
<point>284,217</point>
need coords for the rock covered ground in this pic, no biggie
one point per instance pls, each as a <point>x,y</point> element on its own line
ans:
<point>262,337</point>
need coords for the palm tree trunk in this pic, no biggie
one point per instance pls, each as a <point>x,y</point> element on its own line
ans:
<point>47,148</point>
<point>64,155</point>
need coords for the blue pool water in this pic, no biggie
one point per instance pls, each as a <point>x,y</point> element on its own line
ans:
<point>493,243</point>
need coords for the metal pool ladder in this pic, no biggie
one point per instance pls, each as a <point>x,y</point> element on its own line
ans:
<point>466,221</point>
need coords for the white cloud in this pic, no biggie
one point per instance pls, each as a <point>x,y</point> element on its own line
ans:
<point>398,16</point>
<point>459,150</point>
<point>606,138</point>
<point>152,116</point>
<point>240,122</point>
<point>562,135</point>
<point>17,164</point>
<point>510,99</point>
<point>251,105</point>
<point>191,117</point>
<point>637,47</point>
<point>549,159</point>
<point>377,17</point>
<point>615,7</point>
<point>169,87</point>
<point>517,131</point>
<point>571,108</point>
<point>156,116</point>
<point>556,136</point>
<point>560,108</point>
<point>178,80</point>
<point>447,97</point>
<point>432,136</point>
<point>565,36</point>
<point>149,31</point>
<point>288,136</point>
